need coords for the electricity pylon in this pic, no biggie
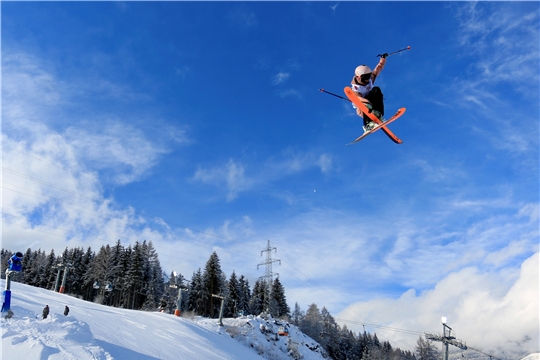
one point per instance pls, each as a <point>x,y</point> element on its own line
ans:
<point>268,277</point>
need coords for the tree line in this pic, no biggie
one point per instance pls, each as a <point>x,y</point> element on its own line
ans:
<point>131,277</point>
<point>341,343</point>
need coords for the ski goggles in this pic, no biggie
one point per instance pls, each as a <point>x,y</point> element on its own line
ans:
<point>365,77</point>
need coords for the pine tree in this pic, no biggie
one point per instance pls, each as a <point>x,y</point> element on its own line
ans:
<point>198,296</point>
<point>135,277</point>
<point>233,296</point>
<point>213,283</point>
<point>153,277</point>
<point>297,315</point>
<point>311,325</point>
<point>425,350</point>
<point>330,333</point>
<point>87,290</point>
<point>97,270</point>
<point>48,277</point>
<point>77,270</point>
<point>4,256</point>
<point>113,274</point>
<point>257,301</point>
<point>30,271</point>
<point>244,295</point>
<point>353,343</point>
<point>386,350</point>
<point>357,346</point>
<point>121,285</point>
<point>279,307</point>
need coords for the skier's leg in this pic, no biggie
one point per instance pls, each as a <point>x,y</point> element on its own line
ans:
<point>375,97</point>
<point>364,117</point>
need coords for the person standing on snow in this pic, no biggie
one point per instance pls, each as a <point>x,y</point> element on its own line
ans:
<point>363,85</point>
<point>66,311</point>
<point>45,312</point>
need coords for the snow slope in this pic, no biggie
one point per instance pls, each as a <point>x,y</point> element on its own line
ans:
<point>535,356</point>
<point>93,331</point>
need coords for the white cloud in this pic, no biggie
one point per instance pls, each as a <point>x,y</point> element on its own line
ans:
<point>476,304</point>
<point>234,178</point>
<point>119,149</point>
<point>280,78</point>
<point>230,174</point>
<point>289,93</point>
<point>325,162</point>
<point>501,43</point>
<point>285,72</point>
<point>54,164</point>
<point>34,112</point>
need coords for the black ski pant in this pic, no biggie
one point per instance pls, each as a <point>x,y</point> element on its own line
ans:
<point>375,97</point>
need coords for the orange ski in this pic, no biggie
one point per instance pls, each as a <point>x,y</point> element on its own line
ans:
<point>380,126</point>
<point>352,96</point>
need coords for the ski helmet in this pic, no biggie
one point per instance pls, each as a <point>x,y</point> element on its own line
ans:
<point>361,70</point>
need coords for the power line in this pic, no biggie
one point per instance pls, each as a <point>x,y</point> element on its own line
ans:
<point>383,327</point>
<point>490,356</point>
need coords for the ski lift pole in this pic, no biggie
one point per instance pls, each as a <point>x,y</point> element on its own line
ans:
<point>336,95</point>
<point>395,52</point>
<point>64,278</point>
<point>221,308</point>
<point>59,266</point>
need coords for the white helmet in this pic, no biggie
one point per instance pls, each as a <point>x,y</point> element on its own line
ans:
<point>361,70</point>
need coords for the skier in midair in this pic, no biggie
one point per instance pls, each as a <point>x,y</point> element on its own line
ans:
<point>363,85</point>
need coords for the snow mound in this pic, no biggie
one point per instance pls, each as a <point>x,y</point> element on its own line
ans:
<point>262,334</point>
<point>37,339</point>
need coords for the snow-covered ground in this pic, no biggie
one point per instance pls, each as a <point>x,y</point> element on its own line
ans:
<point>535,356</point>
<point>93,331</point>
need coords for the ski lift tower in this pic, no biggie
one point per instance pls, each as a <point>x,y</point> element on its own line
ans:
<point>64,278</point>
<point>446,338</point>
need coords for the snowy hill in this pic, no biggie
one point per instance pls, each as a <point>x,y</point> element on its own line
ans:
<point>93,331</point>
<point>535,356</point>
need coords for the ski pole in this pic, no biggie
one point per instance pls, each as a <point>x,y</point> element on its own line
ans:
<point>336,95</point>
<point>395,52</point>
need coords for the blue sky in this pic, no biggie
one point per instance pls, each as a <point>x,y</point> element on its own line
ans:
<point>200,127</point>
